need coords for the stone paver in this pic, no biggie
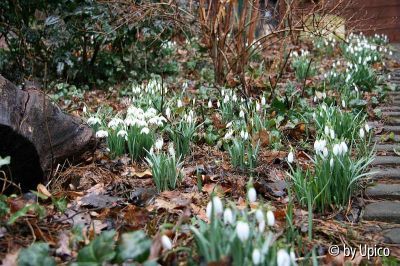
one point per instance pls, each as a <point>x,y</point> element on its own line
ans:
<point>380,137</point>
<point>384,211</point>
<point>385,173</point>
<point>388,147</point>
<point>386,160</point>
<point>384,191</point>
<point>392,236</point>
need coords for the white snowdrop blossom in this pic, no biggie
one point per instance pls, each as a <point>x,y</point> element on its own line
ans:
<point>93,121</point>
<point>362,133</point>
<point>343,148</point>
<point>261,226</point>
<point>325,152</point>
<point>343,104</point>
<point>158,144</point>
<point>228,216</point>
<point>229,125</point>
<point>210,104</point>
<point>366,128</point>
<point>270,218</point>
<point>101,134</point>
<point>331,162</point>
<point>166,242</point>
<point>290,157</point>
<point>171,149</point>
<point>242,231</point>
<point>216,203</point>
<point>283,258</point>
<point>122,133</point>
<point>336,149</point>
<point>332,133</point>
<point>179,104</point>
<point>84,109</point>
<point>256,256</point>
<point>252,195</point>
<point>319,145</point>
<point>115,122</point>
<point>168,112</point>
<point>241,114</point>
<point>145,131</point>
<point>326,130</point>
<point>263,101</point>
<point>259,216</point>
<point>228,134</point>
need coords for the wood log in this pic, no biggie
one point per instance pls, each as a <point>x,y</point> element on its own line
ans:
<point>36,134</point>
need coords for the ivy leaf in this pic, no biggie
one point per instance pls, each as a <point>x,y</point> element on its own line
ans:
<point>99,251</point>
<point>37,254</point>
<point>134,246</point>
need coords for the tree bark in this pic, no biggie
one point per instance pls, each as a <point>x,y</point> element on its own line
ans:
<point>31,126</point>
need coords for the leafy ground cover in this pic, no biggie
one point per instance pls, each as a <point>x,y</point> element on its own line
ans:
<point>187,172</point>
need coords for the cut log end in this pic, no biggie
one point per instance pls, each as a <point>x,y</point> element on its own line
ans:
<point>36,134</point>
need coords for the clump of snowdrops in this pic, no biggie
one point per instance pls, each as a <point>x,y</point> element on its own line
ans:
<point>243,235</point>
<point>166,167</point>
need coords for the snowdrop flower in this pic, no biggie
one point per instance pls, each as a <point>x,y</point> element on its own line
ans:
<point>315,99</point>
<point>256,256</point>
<point>229,125</point>
<point>101,134</point>
<point>158,144</point>
<point>326,130</point>
<point>263,101</point>
<point>261,226</point>
<point>362,133</point>
<point>168,112</point>
<point>343,104</point>
<point>122,133</point>
<point>252,195</point>
<point>270,218</point>
<point>343,148</point>
<point>259,216</point>
<point>290,157</point>
<point>234,98</point>
<point>216,203</point>
<point>115,122</point>
<point>331,162</point>
<point>84,109</point>
<point>258,106</point>
<point>336,149</point>
<point>209,104</point>
<point>366,128</point>
<point>293,257</point>
<point>283,258</point>
<point>145,131</point>
<point>166,242</point>
<point>179,104</point>
<point>325,152</point>
<point>93,121</point>
<point>241,114</point>
<point>228,134</point>
<point>319,145</point>
<point>171,149</point>
<point>242,231</point>
<point>218,104</point>
<point>332,133</point>
<point>228,216</point>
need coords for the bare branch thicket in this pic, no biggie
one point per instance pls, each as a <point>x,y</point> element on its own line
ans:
<point>228,27</point>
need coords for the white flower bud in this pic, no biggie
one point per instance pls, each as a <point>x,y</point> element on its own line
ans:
<point>283,258</point>
<point>290,157</point>
<point>166,242</point>
<point>256,256</point>
<point>228,216</point>
<point>270,218</point>
<point>252,195</point>
<point>242,231</point>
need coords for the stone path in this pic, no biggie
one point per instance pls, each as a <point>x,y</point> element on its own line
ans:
<point>383,197</point>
